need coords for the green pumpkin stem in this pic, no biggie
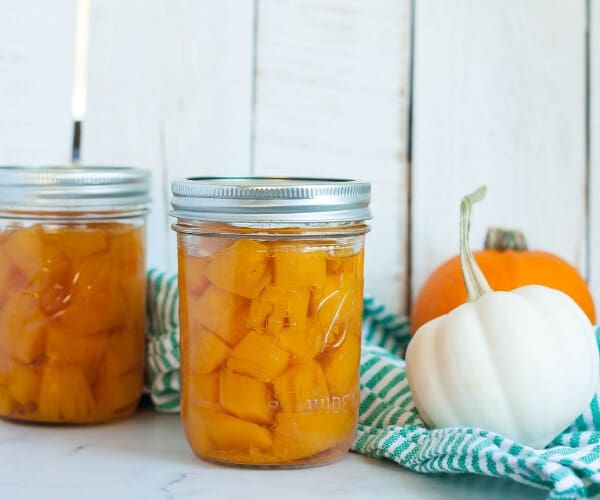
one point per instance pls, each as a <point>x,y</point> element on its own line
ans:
<point>475,281</point>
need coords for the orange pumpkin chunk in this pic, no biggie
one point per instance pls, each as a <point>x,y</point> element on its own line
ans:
<point>341,366</point>
<point>193,274</point>
<point>205,388</point>
<point>64,348</point>
<point>295,267</point>
<point>301,387</point>
<point>25,249</point>
<point>113,393</point>
<point>5,366</point>
<point>24,384</point>
<point>303,345</point>
<point>302,435</point>
<point>65,395</point>
<point>81,242</point>
<point>215,309</point>
<point>195,420</point>
<point>6,401</point>
<point>126,248</point>
<point>275,308</point>
<point>208,351</point>
<point>124,352</point>
<point>22,328</point>
<point>12,279</point>
<point>233,329</point>
<point>256,355</point>
<point>231,433</point>
<point>241,268</point>
<point>245,397</point>
<point>334,302</point>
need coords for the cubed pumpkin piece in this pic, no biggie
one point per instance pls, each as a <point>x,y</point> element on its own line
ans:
<point>78,243</point>
<point>231,433</point>
<point>204,388</point>
<point>24,385</point>
<point>261,308</point>
<point>65,348</point>
<point>5,366</point>
<point>301,435</point>
<point>52,284</point>
<point>195,419</point>
<point>115,393</point>
<point>258,356</point>
<point>302,344</point>
<point>94,311</point>
<point>65,395</point>
<point>94,274</point>
<point>245,397</point>
<point>192,273</point>
<point>296,266</point>
<point>241,269</point>
<point>7,403</point>
<point>133,289</point>
<point>11,278</point>
<point>341,366</point>
<point>301,387</point>
<point>25,248</point>
<point>22,328</point>
<point>346,265</point>
<point>234,330</point>
<point>207,351</point>
<point>334,302</point>
<point>126,247</point>
<point>276,308</point>
<point>124,352</point>
<point>215,309</point>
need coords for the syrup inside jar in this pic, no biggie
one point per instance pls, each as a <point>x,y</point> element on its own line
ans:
<point>71,321</point>
<point>72,304</point>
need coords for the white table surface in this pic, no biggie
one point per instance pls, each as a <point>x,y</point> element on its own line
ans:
<point>147,457</point>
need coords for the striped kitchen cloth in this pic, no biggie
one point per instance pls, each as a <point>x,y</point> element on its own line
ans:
<point>389,424</point>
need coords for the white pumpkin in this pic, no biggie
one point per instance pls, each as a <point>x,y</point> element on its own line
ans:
<point>523,364</point>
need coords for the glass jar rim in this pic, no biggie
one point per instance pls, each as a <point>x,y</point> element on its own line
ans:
<point>293,200</point>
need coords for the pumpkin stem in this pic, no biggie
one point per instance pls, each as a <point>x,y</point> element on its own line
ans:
<point>475,281</point>
<point>505,239</point>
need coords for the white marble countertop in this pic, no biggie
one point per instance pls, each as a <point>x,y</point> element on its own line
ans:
<point>147,457</point>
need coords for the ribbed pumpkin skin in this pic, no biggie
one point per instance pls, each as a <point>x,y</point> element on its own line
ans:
<point>505,270</point>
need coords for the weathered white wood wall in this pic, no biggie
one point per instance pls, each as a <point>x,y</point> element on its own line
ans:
<point>322,87</point>
<point>36,75</point>
<point>499,99</point>
<point>593,192</point>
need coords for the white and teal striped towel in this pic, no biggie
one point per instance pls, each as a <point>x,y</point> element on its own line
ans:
<point>389,425</point>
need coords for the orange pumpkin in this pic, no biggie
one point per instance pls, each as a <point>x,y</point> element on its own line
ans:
<point>507,264</point>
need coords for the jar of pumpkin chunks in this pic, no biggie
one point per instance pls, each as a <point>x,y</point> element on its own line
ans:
<point>72,300</point>
<point>271,288</point>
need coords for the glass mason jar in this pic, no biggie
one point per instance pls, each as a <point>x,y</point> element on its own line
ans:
<point>72,304</point>
<point>271,288</point>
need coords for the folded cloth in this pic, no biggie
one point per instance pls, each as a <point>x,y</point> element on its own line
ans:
<point>389,424</point>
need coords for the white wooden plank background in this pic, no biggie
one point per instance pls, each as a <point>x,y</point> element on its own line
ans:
<point>170,89</point>
<point>499,99</point>
<point>322,88</point>
<point>594,136</point>
<point>36,77</point>
<point>332,100</point>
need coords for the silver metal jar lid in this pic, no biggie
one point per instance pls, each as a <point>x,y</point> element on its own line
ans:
<point>64,188</point>
<point>270,199</point>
